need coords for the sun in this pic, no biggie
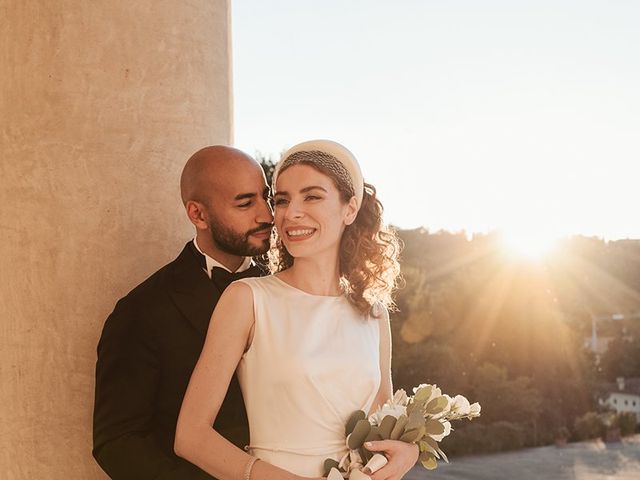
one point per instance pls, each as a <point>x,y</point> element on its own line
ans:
<point>533,245</point>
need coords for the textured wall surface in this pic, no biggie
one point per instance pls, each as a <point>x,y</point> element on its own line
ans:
<point>101,103</point>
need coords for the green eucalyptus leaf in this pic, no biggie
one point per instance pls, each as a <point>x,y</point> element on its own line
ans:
<point>412,436</point>
<point>415,420</point>
<point>430,463</point>
<point>431,442</point>
<point>360,432</point>
<point>423,393</point>
<point>426,448</point>
<point>437,405</point>
<point>353,419</point>
<point>434,427</point>
<point>329,463</point>
<point>386,426</point>
<point>373,435</point>
<point>398,429</point>
<point>427,455</point>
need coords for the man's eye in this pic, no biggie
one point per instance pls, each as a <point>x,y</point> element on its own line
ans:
<point>244,205</point>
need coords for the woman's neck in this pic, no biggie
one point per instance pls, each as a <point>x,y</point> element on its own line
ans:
<point>315,276</point>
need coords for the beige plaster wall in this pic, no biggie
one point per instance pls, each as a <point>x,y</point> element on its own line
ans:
<point>101,103</point>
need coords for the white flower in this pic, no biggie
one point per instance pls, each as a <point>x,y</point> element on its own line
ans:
<point>460,406</point>
<point>400,397</point>
<point>425,387</point>
<point>447,409</point>
<point>474,410</point>
<point>395,407</point>
<point>388,408</point>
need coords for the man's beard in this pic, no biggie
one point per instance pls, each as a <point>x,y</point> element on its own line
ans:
<point>235,243</point>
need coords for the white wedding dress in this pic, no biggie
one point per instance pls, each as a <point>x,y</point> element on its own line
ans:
<point>313,361</point>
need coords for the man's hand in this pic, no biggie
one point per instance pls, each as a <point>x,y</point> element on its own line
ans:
<point>402,457</point>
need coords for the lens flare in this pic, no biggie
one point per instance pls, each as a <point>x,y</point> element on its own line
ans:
<point>528,244</point>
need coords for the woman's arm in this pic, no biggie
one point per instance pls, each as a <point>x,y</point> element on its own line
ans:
<point>402,456</point>
<point>385,392</point>
<point>227,338</point>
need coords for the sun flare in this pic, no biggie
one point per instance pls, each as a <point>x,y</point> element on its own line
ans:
<point>527,244</point>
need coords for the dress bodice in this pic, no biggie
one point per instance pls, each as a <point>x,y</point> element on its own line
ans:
<point>312,362</point>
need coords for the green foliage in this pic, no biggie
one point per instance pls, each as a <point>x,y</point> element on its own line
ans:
<point>493,437</point>
<point>562,433</point>
<point>626,422</point>
<point>353,420</point>
<point>590,425</point>
<point>505,436</point>
<point>505,399</point>
<point>329,463</point>
<point>437,405</point>
<point>412,436</point>
<point>386,426</point>
<point>428,460</point>
<point>622,359</point>
<point>399,427</point>
<point>268,164</point>
<point>510,334</point>
<point>373,435</point>
<point>359,434</point>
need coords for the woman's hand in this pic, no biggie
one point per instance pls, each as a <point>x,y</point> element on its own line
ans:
<point>402,457</point>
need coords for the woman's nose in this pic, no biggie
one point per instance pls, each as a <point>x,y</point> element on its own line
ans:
<point>294,211</point>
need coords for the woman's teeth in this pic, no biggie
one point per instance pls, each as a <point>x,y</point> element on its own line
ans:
<point>300,233</point>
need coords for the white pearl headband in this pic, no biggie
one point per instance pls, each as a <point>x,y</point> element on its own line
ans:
<point>334,150</point>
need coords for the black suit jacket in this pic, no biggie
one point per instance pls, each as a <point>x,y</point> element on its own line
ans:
<point>148,349</point>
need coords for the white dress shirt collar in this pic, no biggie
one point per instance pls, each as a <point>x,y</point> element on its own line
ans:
<point>211,262</point>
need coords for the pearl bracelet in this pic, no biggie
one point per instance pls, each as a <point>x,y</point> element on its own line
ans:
<point>247,469</point>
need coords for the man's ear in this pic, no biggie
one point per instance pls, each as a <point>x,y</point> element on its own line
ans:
<point>352,211</point>
<point>197,214</point>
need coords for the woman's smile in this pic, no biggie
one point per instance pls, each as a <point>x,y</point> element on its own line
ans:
<point>296,234</point>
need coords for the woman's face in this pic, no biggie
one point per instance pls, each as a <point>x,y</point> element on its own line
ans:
<point>309,214</point>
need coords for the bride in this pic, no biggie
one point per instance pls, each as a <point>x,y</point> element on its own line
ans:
<point>311,343</point>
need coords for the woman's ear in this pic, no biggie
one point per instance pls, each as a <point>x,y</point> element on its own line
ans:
<point>351,211</point>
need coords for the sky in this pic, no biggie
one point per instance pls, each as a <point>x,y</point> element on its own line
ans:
<point>522,116</point>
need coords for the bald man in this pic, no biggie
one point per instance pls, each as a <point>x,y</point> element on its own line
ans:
<point>152,340</point>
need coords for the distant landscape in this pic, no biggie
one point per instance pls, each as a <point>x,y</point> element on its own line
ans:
<point>516,335</point>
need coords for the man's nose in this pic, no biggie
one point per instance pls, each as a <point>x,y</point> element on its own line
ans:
<point>265,213</point>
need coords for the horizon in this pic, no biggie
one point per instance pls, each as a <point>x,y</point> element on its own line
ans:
<point>523,118</point>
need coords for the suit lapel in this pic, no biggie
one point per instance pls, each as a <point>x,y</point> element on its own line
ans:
<point>192,291</point>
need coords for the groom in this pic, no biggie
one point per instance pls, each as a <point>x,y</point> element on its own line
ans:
<point>153,338</point>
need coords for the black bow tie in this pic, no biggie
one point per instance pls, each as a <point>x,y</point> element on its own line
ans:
<point>221,278</point>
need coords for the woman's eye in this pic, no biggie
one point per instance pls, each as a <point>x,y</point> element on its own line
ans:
<point>280,201</point>
<point>312,197</point>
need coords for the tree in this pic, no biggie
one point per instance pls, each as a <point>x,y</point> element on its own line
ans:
<point>268,164</point>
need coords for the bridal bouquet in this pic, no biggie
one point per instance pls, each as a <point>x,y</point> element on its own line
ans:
<point>424,418</point>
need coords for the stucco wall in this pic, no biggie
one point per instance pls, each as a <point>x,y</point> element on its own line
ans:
<point>101,103</point>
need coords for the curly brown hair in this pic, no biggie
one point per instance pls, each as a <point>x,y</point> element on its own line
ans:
<point>369,250</point>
